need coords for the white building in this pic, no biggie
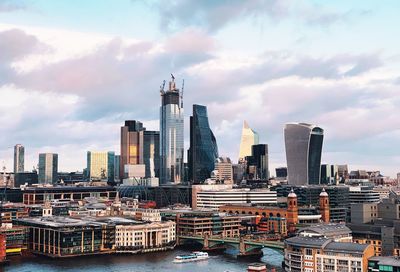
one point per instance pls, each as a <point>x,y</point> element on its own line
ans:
<point>145,237</point>
<point>214,196</point>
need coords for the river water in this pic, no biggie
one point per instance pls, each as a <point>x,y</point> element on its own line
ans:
<point>149,262</point>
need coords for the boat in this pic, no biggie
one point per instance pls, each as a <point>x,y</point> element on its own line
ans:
<point>193,257</point>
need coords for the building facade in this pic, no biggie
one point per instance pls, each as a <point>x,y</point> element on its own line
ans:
<point>303,144</point>
<point>48,168</point>
<point>224,170</point>
<point>171,136</point>
<point>19,158</point>
<point>248,139</point>
<point>259,162</point>
<point>203,146</point>
<point>101,165</point>
<point>316,254</point>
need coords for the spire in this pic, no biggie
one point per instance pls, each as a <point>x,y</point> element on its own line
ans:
<point>245,124</point>
<point>323,192</point>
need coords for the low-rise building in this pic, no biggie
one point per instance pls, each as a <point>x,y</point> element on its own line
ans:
<point>335,232</point>
<point>312,254</point>
<point>384,264</point>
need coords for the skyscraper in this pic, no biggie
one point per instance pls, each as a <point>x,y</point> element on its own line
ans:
<point>260,159</point>
<point>203,149</point>
<point>171,135</point>
<point>139,147</point>
<point>19,158</point>
<point>249,138</point>
<point>48,168</point>
<point>101,165</point>
<point>303,144</point>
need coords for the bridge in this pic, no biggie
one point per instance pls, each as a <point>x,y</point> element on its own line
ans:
<point>246,246</point>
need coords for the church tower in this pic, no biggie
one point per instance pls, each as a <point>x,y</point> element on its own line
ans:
<point>324,206</point>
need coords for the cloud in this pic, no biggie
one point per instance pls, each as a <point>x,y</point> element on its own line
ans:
<point>9,6</point>
<point>214,15</point>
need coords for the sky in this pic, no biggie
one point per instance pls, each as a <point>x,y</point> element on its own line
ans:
<point>72,71</point>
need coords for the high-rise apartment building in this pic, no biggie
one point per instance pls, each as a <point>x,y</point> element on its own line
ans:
<point>171,135</point>
<point>303,143</point>
<point>203,146</point>
<point>139,147</point>
<point>19,157</point>
<point>101,165</point>
<point>48,168</point>
<point>248,139</point>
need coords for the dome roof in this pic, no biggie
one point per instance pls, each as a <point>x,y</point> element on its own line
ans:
<point>323,193</point>
<point>292,194</point>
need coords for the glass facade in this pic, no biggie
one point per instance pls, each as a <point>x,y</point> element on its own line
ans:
<point>303,144</point>
<point>260,159</point>
<point>248,139</point>
<point>203,146</point>
<point>101,165</point>
<point>48,168</point>
<point>19,155</point>
<point>171,136</point>
<point>151,153</point>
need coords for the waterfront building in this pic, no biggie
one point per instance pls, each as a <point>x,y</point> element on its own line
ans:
<point>384,264</point>
<point>309,254</point>
<point>16,239</point>
<point>139,147</point>
<point>171,135</point>
<point>200,224</point>
<point>135,238</point>
<point>101,165</point>
<point>19,158</point>
<point>48,168</point>
<point>203,149</point>
<point>214,196</point>
<point>224,170</point>
<point>333,231</point>
<point>303,144</point>
<point>248,139</point>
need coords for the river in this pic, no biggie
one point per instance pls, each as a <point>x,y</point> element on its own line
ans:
<point>150,262</point>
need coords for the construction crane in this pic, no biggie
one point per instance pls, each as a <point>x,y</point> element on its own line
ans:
<point>162,87</point>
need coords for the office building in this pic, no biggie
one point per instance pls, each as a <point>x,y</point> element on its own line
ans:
<point>309,254</point>
<point>281,172</point>
<point>203,149</point>
<point>117,161</point>
<point>329,174</point>
<point>48,168</point>
<point>139,147</point>
<point>19,158</point>
<point>248,139</point>
<point>223,170</point>
<point>215,195</point>
<point>257,164</point>
<point>171,135</point>
<point>27,178</point>
<point>303,144</point>
<point>100,165</point>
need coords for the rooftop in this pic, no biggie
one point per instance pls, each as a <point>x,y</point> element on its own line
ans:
<point>390,261</point>
<point>327,229</point>
<point>326,244</point>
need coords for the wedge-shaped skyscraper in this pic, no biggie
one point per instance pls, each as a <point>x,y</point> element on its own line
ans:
<point>303,144</point>
<point>249,138</point>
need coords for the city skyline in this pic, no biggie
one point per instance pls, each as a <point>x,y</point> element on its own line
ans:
<point>270,74</point>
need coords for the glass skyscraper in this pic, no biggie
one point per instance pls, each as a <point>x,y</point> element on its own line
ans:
<point>140,146</point>
<point>101,165</point>
<point>260,159</point>
<point>249,138</point>
<point>19,157</point>
<point>171,135</point>
<point>48,168</point>
<point>203,149</point>
<point>303,144</point>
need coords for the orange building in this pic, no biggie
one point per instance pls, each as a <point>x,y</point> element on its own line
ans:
<point>324,206</point>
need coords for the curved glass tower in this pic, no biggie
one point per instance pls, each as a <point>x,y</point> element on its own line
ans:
<point>303,144</point>
<point>203,146</point>
<point>171,136</point>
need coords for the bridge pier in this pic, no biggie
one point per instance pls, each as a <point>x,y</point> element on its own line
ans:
<point>246,251</point>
